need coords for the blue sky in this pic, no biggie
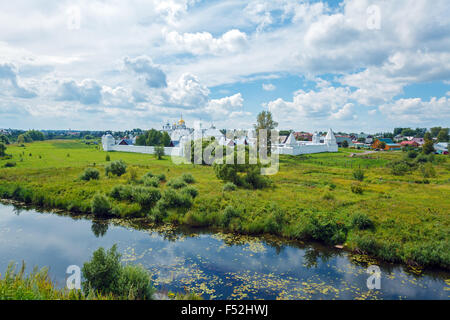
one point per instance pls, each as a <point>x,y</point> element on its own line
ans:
<point>352,65</point>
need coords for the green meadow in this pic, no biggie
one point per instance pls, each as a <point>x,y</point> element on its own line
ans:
<point>396,218</point>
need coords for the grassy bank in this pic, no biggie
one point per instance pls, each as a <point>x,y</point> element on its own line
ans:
<point>398,218</point>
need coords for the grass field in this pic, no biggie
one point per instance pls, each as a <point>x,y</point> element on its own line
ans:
<point>311,197</point>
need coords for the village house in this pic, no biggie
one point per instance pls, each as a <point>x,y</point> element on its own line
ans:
<point>390,145</point>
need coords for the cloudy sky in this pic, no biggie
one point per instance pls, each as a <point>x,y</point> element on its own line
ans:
<point>355,65</point>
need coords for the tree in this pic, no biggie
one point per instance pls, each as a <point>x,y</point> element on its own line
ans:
<point>264,121</point>
<point>443,135</point>
<point>159,152</point>
<point>2,149</point>
<point>428,136</point>
<point>345,144</point>
<point>435,131</point>
<point>408,132</point>
<point>428,147</point>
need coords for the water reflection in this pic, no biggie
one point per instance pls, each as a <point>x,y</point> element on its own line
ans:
<point>99,227</point>
<point>217,265</point>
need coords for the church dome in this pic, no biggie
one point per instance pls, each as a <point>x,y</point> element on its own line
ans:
<point>181,122</point>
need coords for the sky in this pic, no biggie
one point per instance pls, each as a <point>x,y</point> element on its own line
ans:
<point>351,65</point>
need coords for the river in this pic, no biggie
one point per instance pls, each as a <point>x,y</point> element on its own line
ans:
<point>219,266</point>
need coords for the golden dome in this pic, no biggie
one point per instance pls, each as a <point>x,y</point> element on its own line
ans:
<point>181,122</point>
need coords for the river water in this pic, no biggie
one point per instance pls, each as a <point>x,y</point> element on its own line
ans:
<point>219,266</point>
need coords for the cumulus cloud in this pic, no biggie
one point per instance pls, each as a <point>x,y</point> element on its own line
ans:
<point>153,76</point>
<point>415,110</point>
<point>87,92</point>
<point>204,43</point>
<point>9,83</point>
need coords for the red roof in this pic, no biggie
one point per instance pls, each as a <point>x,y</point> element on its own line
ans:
<point>409,143</point>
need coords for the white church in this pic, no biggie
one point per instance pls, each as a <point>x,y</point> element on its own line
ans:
<point>181,136</point>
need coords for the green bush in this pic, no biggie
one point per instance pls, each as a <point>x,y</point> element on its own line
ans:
<point>328,196</point>
<point>412,154</point>
<point>10,164</point>
<point>229,186</point>
<point>134,283</point>
<point>400,169</point>
<point>177,183</point>
<point>427,170</point>
<point>188,178</point>
<point>90,174</point>
<point>357,188</point>
<point>358,174</point>
<point>107,158</point>
<point>161,177</point>
<point>117,168</point>
<point>105,274</point>
<point>122,192</point>
<point>100,206</point>
<point>151,182</point>
<point>191,191</point>
<point>146,197</point>
<point>228,214</point>
<point>324,227</point>
<point>171,199</point>
<point>361,221</point>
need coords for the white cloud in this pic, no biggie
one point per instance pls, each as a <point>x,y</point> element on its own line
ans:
<point>268,87</point>
<point>204,43</point>
<point>416,111</point>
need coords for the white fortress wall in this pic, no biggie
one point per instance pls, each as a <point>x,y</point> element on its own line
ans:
<point>143,149</point>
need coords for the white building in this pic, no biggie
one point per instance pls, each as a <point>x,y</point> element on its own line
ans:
<point>293,147</point>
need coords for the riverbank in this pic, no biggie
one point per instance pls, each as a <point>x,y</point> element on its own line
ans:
<point>311,198</point>
<point>212,264</point>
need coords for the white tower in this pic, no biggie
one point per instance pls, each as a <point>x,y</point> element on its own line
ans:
<point>330,139</point>
<point>316,138</point>
<point>108,142</point>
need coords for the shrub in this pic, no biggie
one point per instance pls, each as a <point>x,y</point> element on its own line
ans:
<point>117,168</point>
<point>255,180</point>
<point>2,149</point>
<point>10,164</point>
<point>412,154</point>
<point>105,274</point>
<point>177,183</point>
<point>100,206</point>
<point>400,169</point>
<point>356,188</point>
<point>191,191</point>
<point>146,197</point>
<point>90,174</point>
<point>358,174</point>
<point>328,196</point>
<point>275,220</point>
<point>421,158</point>
<point>361,221</point>
<point>107,158</point>
<point>102,272</point>
<point>229,186</point>
<point>228,214</point>
<point>171,199</point>
<point>324,227</point>
<point>151,182</point>
<point>121,192</point>
<point>134,283</point>
<point>188,178</point>
<point>427,170</point>
<point>161,177</point>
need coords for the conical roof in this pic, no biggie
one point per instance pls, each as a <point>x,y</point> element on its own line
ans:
<point>291,139</point>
